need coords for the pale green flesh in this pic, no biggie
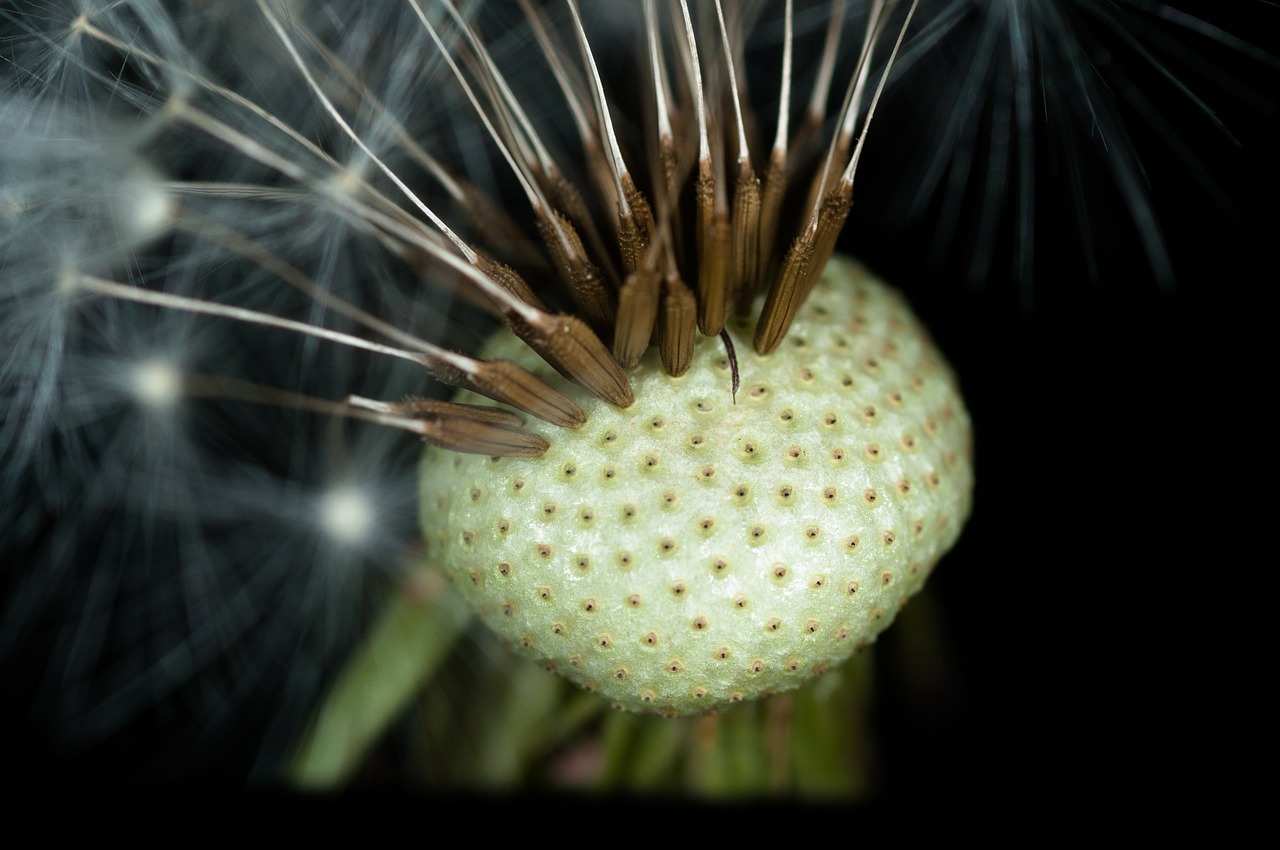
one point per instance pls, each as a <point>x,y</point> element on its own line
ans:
<point>612,516</point>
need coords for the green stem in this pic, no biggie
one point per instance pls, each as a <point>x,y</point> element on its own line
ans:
<point>412,636</point>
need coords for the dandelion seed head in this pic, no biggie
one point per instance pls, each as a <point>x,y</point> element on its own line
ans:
<point>177,149</point>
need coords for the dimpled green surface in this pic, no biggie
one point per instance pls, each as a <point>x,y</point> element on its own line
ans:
<point>690,551</point>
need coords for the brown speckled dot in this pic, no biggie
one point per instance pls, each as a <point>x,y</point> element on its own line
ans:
<point>812,532</point>
<point>758,391</point>
<point>610,436</point>
<point>657,423</point>
<point>549,508</point>
<point>877,614</point>
<point>558,628</point>
<point>829,493</point>
<point>589,605</point>
<point>675,665</point>
<point>837,455</point>
<point>779,570</point>
<point>706,523</point>
<point>604,641</point>
<point>475,577</point>
<point>851,542</point>
<point>785,492</point>
<point>505,568</point>
<point>708,472</point>
<point>679,588</point>
<point>908,442</point>
<point>904,486</point>
<point>757,532</point>
<point>934,479</point>
<point>869,413</point>
<point>719,565</point>
<point>793,665</point>
<point>699,693</point>
<point>504,525</point>
<point>886,578</point>
<point>624,559</point>
<point>810,626</point>
<point>587,515</point>
<point>741,492</point>
<point>544,593</point>
<point>620,673</point>
<point>757,666</point>
<point>818,581</point>
<point>888,537</point>
<point>508,608</point>
<point>723,652</point>
<point>569,470</point>
<point>699,623</point>
<point>669,498</point>
<point>629,511</point>
<point>786,416</point>
<point>650,461</point>
<point>735,696</point>
<point>895,399</point>
<point>544,550</point>
<point>667,545</point>
<point>851,588</point>
<point>806,375</point>
<point>583,562</point>
<point>917,527</point>
<point>650,639</point>
<point>773,624</point>
<point>869,496</point>
<point>646,696</point>
<point>609,473</point>
<point>842,633</point>
<point>634,600</point>
<point>829,419</point>
<point>575,660</point>
<point>476,493</point>
<point>526,642</point>
<point>518,484</point>
<point>872,451</point>
<point>795,452</point>
<point>740,601</point>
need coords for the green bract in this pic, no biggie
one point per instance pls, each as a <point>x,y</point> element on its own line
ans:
<point>691,551</point>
